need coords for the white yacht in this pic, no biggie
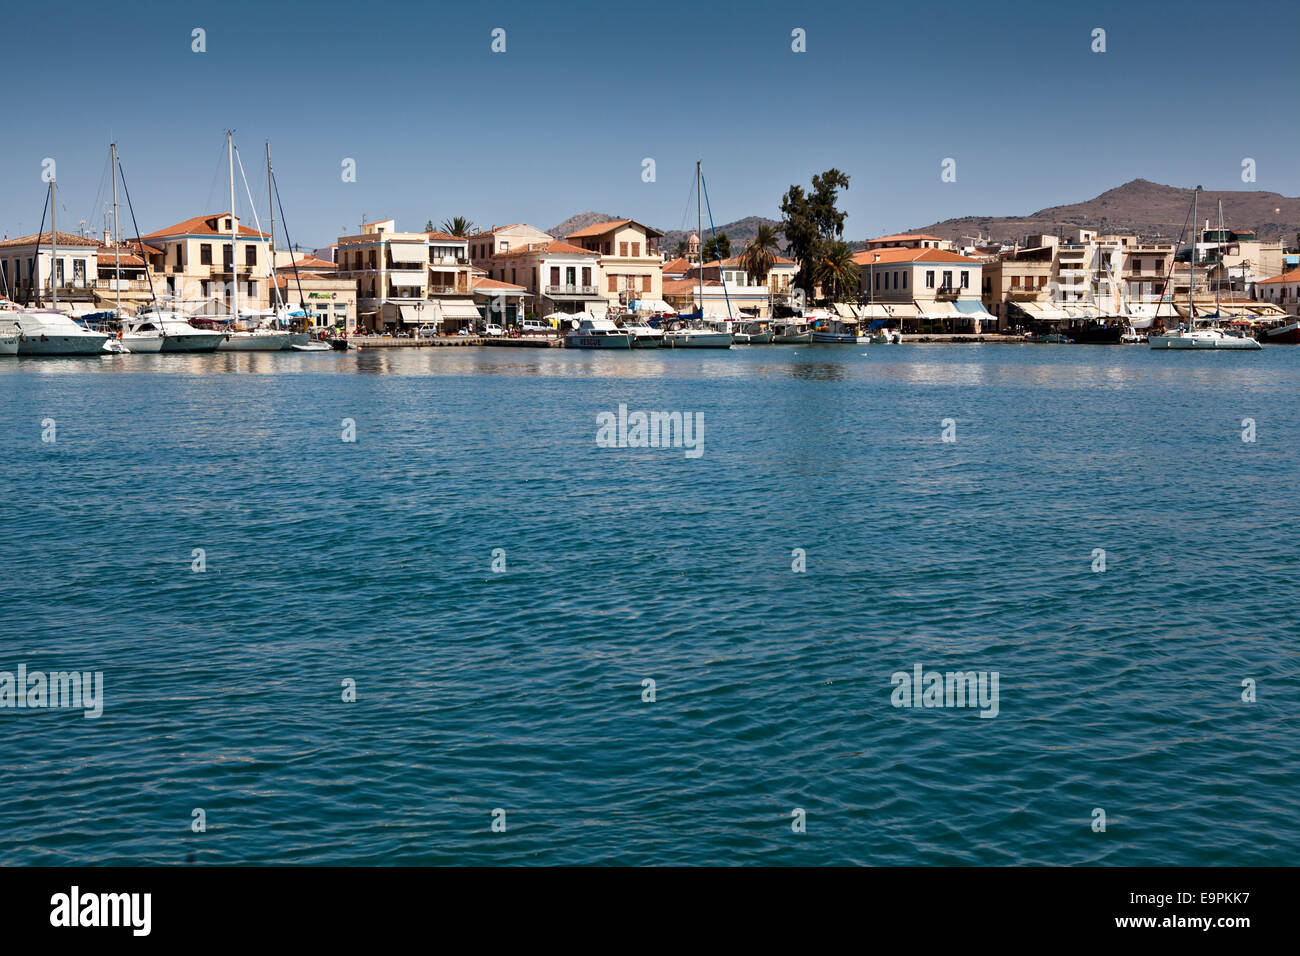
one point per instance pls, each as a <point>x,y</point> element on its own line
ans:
<point>8,338</point>
<point>142,335</point>
<point>255,340</point>
<point>697,339</point>
<point>49,332</point>
<point>598,333</point>
<point>1202,339</point>
<point>177,333</point>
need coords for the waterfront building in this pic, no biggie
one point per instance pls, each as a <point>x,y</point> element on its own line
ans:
<point>197,266</point>
<point>313,284</point>
<point>908,240</point>
<point>1282,290</point>
<point>28,263</point>
<point>408,279</point>
<point>499,302</point>
<point>923,289</point>
<point>631,267</point>
<point>124,273</point>
<point>1016,287</point>
<point>559,276</point>
<point>488,243</point>
<point>728,282</point>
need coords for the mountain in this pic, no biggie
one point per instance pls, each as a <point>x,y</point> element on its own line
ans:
<point>739,232</point>
<point>1139,207</point>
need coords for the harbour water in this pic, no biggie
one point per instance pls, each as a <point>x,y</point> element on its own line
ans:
<point>326,561</point>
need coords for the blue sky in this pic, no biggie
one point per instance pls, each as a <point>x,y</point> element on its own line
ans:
<point>439,125</point>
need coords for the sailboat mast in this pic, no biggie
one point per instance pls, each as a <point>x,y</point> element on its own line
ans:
<point>234,230</point>
<point>117,261</point>
<point>1191,274</point>
<point>54,249</point>
<point>1218,248</point>
<point>270,202</point>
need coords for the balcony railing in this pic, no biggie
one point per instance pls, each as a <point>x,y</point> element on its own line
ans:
<point>569,290</point>
<point>946,292</point>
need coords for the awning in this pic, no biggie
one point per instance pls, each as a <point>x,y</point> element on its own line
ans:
<point>457,309</point>
<point>939,310</point>
<point>408,252</point>
<point>975,308</point>
<point>904,310</point>
<point>405,278</point>
<point>410,315</point>
<point>844,310</point>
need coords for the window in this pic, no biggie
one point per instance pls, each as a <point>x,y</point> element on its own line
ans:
<point>513,280</point>
<point>877,280</point>
<point>79,271</point>
<point>622,249</point>
<point>250,255</point>
<point>180,246</point>
<point>645,283</point>
<point>965,278</point>
<point>604,248</point>
<point>929,278</point>
<point>636,249</point>
<point>586,275</point>
<point>904,279</point>
<point>226,256</point>
<point>205,254</point>
<point>613,283</point>
<point>947,279</point>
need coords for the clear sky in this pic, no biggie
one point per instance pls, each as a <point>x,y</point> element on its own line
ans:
<point>559,123</point>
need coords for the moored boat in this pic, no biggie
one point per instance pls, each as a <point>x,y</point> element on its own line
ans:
<point>1202,339</point>
<point>49,332</point>
<point>1288,334</point>
<point>596,332</point>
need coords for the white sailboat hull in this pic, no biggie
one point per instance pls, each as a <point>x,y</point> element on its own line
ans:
<point>143,344</point>
<point>1205,339</point>
<point>696,339</point>
<point>255,342</point>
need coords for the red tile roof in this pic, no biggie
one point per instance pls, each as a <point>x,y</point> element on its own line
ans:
<point>482,282</point>
<point>901,254</point>
<point>307,262</point>
<point>602,228</point>
<point>446,237</point>
<point>554,246</point>
<point>905,235</point>
<point>1292,276</point>
<point>63,239</point>
<point>122,258</point>
<point>202,226</point>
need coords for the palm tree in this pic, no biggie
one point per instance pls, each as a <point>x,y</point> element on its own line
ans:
<point>760,255</point>
<point>834,266</point>
<point>459,227</point>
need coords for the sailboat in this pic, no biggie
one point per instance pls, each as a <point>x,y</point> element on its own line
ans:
<point>700,336</point>
<point>1193,338</point>
<point>261,338</point>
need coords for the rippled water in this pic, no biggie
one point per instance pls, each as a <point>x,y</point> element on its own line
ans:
<point>371,561</point>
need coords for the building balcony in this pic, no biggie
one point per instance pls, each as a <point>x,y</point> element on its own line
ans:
<point>1021,293</point>
<point>554,290</point>
<point>947,292</point>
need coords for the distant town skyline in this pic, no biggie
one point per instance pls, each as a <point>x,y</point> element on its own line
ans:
<point>563,120</point>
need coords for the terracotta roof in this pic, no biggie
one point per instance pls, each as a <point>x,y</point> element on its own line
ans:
<point>307,262</point>
<point>63,239</point>
<point>683,286</point>
<point>495,229</point>
<point>122,258</point>
<point>202,226</point>
<point>1292,276</point>
<point>677,265</point>
<point>905,235</point>
<point>138,246</point>
<point>886,256</point>
<point>601,228</point>
<point>481,282</point>
<point>554,246</point>
<point>446,236</point>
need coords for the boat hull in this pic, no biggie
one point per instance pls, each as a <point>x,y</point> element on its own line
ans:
<point>840,338</point>
<point>8,345</point>
<point>598,341</point>
<point>1186,343</point>
<point>647,341</point>
<point>143,344</point>
<point>1286,335</point>
<point>57,344</point>
<point>793,338</point>
<point>698,340</point>
<point>198,342</point>
<point>245,342</point>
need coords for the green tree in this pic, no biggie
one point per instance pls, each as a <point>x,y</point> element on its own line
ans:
<point>719,248</point>
<point>459,227</point>
<point>760,255</point>
<point>428,225</point>
<point>679,250</point>
<point>812,222</point>
<point>834,267</point>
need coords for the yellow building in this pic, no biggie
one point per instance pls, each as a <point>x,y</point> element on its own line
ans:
<point>197,267</point>
<point>631,267</point>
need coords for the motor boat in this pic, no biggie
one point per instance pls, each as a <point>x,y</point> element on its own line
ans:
<point>49,332</point>
<point>595,332</point>
<point>697,339</point>
<point>177,333</point>
<point>142,335</point>
<point>255,340</point>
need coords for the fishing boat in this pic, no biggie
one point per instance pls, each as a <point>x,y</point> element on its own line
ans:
<point>752,333</point>
<point>1192,338</point>
<point>1288,334</point>
<point>597,332</point>
<point>792,333</point>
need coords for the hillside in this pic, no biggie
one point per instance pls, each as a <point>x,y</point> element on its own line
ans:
<point>1140,207</point>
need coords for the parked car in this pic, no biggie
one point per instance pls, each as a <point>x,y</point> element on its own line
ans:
<point>536,327</point>
<point>493,330</point>
<point>427,332</point>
